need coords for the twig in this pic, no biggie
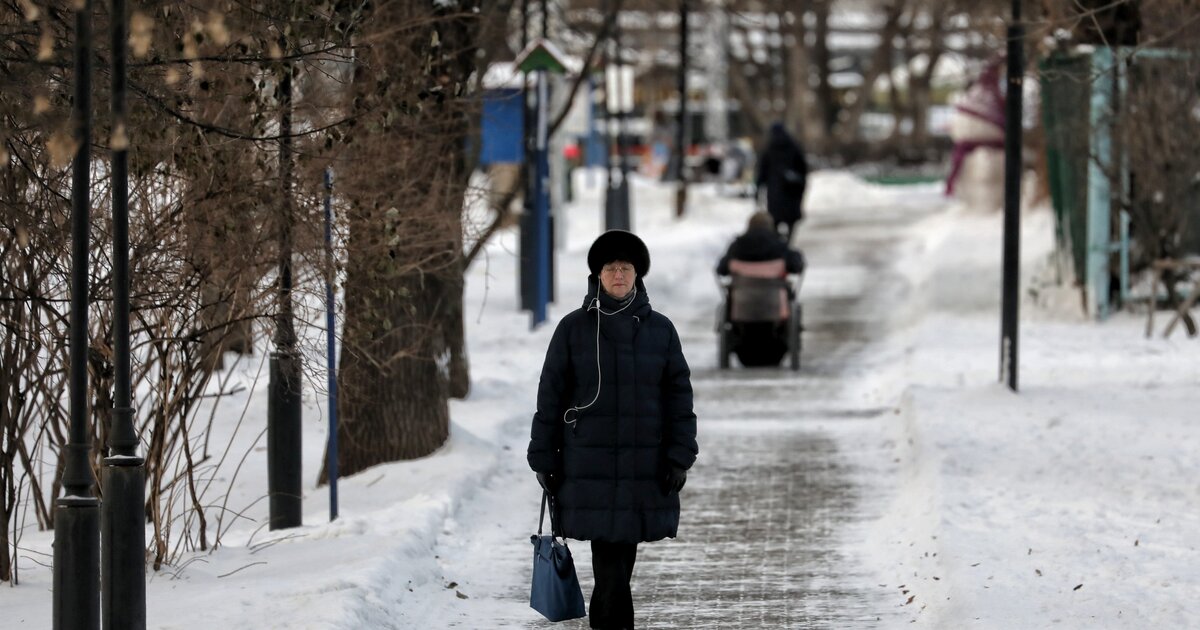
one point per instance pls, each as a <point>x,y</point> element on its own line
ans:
<point>240,568</point>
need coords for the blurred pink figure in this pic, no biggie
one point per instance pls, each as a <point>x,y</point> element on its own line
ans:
<point>982,106</point>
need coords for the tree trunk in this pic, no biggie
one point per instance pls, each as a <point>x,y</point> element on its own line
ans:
<point>921,86</point>
<point>825,103</point>
<point>919,90</point>
<point>392,403</point>
<point>740,89</point>
<point>797,114</point>
<point>901,107</point>
<point>222,226</point>
<point>455,331</point>
<point>894,139</point>
<point>403,347</point>
<point>881,61</point>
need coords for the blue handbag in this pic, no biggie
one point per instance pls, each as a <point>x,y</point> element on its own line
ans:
<point>555,591</point>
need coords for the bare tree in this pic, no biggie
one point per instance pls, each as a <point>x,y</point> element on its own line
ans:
<point>200,134</point>
<point>404,255</point>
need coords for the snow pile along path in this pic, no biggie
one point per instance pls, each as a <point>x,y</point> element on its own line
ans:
<point>1071,504</point>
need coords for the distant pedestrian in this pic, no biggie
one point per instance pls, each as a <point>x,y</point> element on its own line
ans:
<point>783,176</point>
<point>614,433</point>
<point>760,252</point>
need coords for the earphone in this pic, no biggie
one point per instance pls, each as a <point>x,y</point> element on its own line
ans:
<point>595,303</point>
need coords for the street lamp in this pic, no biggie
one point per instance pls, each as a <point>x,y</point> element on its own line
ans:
<point>619,93</point>
<point>77,512</point>
<point>678,172</point>
<point>284,461</point>
<point>123,515</point>
<point>1012,199</point>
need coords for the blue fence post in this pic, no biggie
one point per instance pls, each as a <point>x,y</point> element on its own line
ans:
<point>331,449</point>
<point>1099,188</point>
<point>541,214</point>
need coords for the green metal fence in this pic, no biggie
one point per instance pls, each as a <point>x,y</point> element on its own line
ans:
<point>1120,127</point>
<point>1066,87</point>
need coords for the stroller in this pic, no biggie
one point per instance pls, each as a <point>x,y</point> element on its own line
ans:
<point>760,317</point>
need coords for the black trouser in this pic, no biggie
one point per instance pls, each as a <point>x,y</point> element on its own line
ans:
<point>612,601</point>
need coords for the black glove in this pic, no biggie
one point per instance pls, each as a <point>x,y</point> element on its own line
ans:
<point>549,482</point>
<point>673,479</point>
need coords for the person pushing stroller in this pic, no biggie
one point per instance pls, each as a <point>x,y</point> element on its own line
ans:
<point>760,318</point>
<point>761,242</point>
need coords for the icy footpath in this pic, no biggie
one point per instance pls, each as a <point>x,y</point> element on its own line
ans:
<point>1069,505</point>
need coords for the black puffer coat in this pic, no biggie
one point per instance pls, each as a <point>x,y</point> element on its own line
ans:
<point>613,458</point>
<point>783,174</point>
<point>757,245</point>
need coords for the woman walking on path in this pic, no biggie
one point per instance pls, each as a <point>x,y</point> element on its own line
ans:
<point>614,433</point>
<point>783,171</point>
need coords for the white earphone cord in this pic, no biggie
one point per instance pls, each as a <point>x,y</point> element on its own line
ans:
<point>599,375</point>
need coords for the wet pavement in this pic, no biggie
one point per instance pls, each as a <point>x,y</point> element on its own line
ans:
<point>757,549</point>
<point>770,502</point>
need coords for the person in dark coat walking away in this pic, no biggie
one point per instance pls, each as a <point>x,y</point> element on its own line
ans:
<point>783,175</point>
<point>761,242</point>
<point>614,433</point>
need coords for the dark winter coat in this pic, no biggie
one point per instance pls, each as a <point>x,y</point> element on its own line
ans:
<point>612,460</point>
<point>783,173</point>
<point>757,245</point>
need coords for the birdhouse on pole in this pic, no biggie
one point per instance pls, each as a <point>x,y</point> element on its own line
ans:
<point>541,54</point>
<point>541,58</point>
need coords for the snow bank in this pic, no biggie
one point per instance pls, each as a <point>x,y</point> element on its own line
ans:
<point>1071,504</point>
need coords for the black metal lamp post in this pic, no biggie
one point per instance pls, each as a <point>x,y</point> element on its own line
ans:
<point>284,465</point>
<point>617,213</point>
<point>527,253</point>
<point>77,512</point>
<point>123,521</point>
<point>678,172</point>
<point>1012,199</point>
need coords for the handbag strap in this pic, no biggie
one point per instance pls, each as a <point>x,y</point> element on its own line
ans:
<point>542,517</point>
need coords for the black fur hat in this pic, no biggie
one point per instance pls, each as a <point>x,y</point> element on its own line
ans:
<point>619,245</point>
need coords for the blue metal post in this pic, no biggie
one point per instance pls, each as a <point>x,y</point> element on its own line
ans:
<point>541,215</point>
<point>331,449</point>
<point>1099,189</point>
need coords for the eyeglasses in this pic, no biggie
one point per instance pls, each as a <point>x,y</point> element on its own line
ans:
<point>615,269</point>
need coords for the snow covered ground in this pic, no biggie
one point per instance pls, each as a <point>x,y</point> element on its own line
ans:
<point>1071,504</point>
